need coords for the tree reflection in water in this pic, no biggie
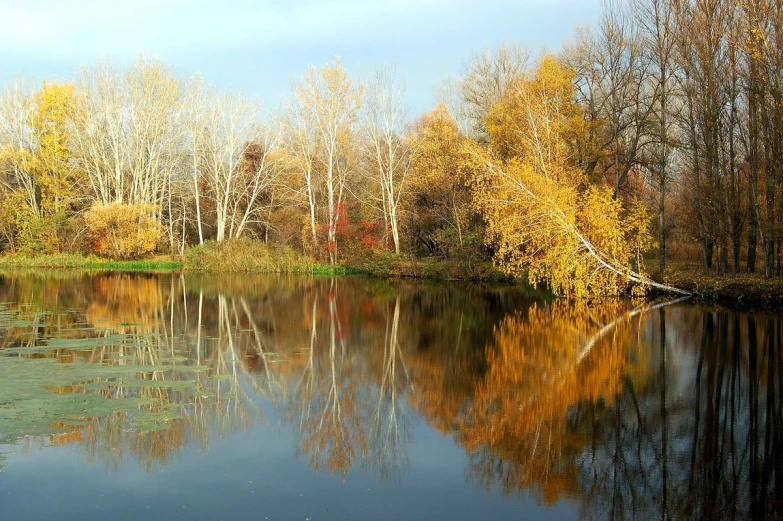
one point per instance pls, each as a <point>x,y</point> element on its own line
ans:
<point>701,440</point>
<point>653,413</point>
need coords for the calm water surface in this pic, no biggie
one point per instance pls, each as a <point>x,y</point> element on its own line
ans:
<point>129,396</point>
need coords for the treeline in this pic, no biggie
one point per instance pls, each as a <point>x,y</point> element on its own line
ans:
<point>130,161</point>
<point>662,124</point>
<point>688,92</point>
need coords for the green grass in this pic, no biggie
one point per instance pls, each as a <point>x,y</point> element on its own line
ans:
<point>62,260</point>
<point>135,265</point>
<point>69,261</point>
<point>327,270</point>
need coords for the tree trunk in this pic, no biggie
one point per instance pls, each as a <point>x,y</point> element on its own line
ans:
<point>753,165</point>
<point>662,173</point>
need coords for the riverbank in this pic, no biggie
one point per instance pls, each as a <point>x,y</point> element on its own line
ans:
<point>740,291</point>
<point>736,291</point>
<point>79,262</point>
<point>253,257</point>
<point>242,256</point>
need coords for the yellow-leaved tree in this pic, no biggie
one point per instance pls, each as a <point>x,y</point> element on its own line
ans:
<point>42,185</point>
<point>52,165</point>
<point>541,210</point>
<point>440,206</point>
<point>123,231</point>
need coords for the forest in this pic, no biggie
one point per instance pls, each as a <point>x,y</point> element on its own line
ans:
<point>650,143</point>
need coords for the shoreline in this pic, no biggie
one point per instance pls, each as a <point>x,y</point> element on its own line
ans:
<point>738,292</point>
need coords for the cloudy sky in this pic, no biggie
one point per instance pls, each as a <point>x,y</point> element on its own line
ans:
<point>259,46</point>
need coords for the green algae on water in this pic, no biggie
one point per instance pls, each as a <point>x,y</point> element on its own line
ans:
<point>41,395</point>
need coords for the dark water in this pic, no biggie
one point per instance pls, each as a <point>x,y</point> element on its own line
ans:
<point>246,398</point>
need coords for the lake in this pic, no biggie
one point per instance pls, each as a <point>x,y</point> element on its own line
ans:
<point>138,396</point>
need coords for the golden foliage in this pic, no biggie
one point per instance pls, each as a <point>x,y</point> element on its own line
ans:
<point>441,204</point>
<point>540,120</point>
<point>51,164</point>
<point>124,231</point>
<point>541,213</point>
<point>43,181</point>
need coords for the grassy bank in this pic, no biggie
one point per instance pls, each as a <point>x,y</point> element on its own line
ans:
<point>68,261</point>
<point>248,256</point>
<point>741,291</point>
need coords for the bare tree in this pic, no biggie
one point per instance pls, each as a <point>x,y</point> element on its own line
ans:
<point>385,116</point>
<point>261,169</point>
<point>329,102</point>
<point>613,77</point>
<point>703,50</point>
<point>16,107</point>
<point>302,149</point>
<point>195,129</point>
<point>127,131</point>
<point>233,129</point>
<point>657,24</point>
<point>485,80</point>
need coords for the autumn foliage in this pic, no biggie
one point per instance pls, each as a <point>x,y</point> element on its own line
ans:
<point>123,231</point>
<point>542,213</point>
<point>662,121</point>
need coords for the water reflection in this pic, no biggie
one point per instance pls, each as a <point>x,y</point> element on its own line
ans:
<point>520,425</point>
<point>636,412</point>
<point>700,440</point>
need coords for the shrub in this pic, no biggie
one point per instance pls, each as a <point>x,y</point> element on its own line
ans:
<point>123,231</point>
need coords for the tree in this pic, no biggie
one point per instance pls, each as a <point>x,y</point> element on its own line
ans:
<point>613,78</point>
<point>196,125</point>
<point>703,51</point>
<point>16,108</point>
<point>540,211</point>
<point>763,46</point>
<point>752,48</point>
<point>327,103</point>
<point>52,165</point>
<point>385,117</point>
<point>441,201</point>
<point>41,181</point>
<point>301,148</point>
<point>240,162</point>
<point>656,19</point>
<point>127,131</point>
<point>485,80</point>
<point>260,171</point>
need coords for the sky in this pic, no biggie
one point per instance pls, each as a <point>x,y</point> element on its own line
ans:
<point>260,47</point>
